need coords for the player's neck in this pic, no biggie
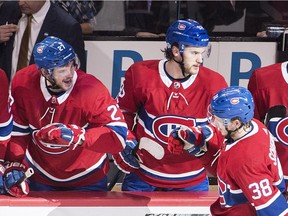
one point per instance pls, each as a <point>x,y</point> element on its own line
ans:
<point>241,132</point>
<point>53,91</point>
<point>173,69</point>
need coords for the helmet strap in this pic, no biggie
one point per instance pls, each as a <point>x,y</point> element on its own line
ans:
<point>228,136</point>
<point>52,85</point>
<point>49,80</point>
<point>181,64</point>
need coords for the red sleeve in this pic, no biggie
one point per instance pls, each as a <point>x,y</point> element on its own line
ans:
<point>210,158</point>
<point>107,128</point>
<point>18,143</point>
<point>252,87</point>
<point>4,97</point>
<point>17,148</point>
<point>127,99</point>
<point>5,116</point>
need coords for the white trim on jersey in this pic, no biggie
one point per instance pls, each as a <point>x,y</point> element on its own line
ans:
<point>269,202</point>
<point>174,176</point>
<point>167,81</point>
<point>5,124</point>
<point>62,97</point>
<point>79,175</point>
<point>284,71</point>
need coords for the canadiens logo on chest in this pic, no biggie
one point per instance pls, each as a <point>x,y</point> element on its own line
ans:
<point>162,126</point>
<point>281,130</point>
<point>52,150</point>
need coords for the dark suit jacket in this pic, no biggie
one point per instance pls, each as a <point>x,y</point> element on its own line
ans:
<point>56,23</point>
<point>10,13</point>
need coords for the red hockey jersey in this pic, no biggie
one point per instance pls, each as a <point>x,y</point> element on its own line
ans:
<point>87,104</point>
<point>161,104</point>
<point>269,87</point>
<point>5,115</point>
<point>249,174</point>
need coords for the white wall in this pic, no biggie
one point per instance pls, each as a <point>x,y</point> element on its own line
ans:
<point>108,60</point>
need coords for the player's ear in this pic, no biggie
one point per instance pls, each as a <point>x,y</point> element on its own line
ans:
<point>76,63</point>
<point>237,122</point>
<point>175,51</point>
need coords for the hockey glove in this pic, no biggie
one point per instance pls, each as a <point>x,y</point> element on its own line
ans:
<point>193,140</point>
<point>60,135</point>
<point>126,160</point>
<point>2,171</point>
<point>15,177</point>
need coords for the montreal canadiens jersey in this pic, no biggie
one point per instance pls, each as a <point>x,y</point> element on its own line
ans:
<point>87,104</point>
<point>249,171</point>
<point>162,104</point>
<point>278,128</point>
<point>6,122</point>
<point>269,87</point>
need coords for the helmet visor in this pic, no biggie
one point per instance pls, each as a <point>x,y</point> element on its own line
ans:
<point>215,120</point>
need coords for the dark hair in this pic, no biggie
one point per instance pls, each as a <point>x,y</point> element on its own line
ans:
<point>168,52</point>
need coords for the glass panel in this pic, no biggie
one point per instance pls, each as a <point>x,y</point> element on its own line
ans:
<point>218,17</point>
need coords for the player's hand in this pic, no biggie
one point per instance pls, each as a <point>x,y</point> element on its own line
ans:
<point>2,171</point>
<point>193,140</point>
<point>15,177</point>
<point>60,135</point>
<point>126,159</point>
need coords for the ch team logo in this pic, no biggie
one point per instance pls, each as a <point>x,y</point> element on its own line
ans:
<point>181,26</point>
<point>40,49</point>
<point>52,150</point>
<point>162,126</point>
<point>282,131</point>
<point>234,101</point>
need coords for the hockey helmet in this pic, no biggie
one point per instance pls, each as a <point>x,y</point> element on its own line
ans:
<point>53,52</point>
<point>186,33</point>
<point>233,102</point>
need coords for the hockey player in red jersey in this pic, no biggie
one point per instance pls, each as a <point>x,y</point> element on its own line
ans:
<point>268,86</point>
<point>6,123</point>
<point>250,177</point>
<point>159,95</point>
<point>65,120</point>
